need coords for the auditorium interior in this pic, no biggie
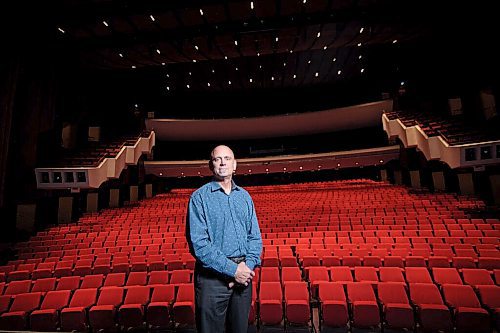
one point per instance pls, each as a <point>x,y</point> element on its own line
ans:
<point>366,132</point>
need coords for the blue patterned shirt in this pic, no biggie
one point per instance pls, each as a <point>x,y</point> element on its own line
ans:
<point>221,226</point>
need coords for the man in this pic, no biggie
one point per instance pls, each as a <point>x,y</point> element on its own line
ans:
<point>224,237</point>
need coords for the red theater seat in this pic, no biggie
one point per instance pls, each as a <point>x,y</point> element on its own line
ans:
<point>432,314</point>
<point>397,311</point>
<point>363,304</point>
<point>47,318</point>
<point>333,305</point>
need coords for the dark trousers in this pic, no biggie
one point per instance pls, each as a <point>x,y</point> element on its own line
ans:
<point>217,306</point>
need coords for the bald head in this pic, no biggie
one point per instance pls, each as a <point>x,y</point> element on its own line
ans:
<point>222,162</point>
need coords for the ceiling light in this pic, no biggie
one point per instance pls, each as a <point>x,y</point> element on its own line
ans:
<point>325,47</point>
<point>334,59</point>
<point>251,4</point>
<point>284,169</point>
<point>225,57</point>
<point>260,66</point>
<point>251,80</point>
<point>402,83</point>
<point>213,70</point>
<point>294,76</point>
<point>291,51</point>
<point>258,54</point>
<point>229,82</point>
<point>201,12</point>
<point>163,64</point>
<point>362,70</point>
<point>267,170</point>
<point>187,85</point>
<point>121,55</point>
<point>236,68</point>
<point>276,39</point>
<point>359,44</point>
<point>168,75</point>
<point>236,42</point>
<point>394,41</point>
<point>158,51</point>
<point>208,84</point>
<point>168,88</point>
<point>339,72</point>
<point>194,60</point>
<point>284,64</point>
<point>196,47</point>
<point>105,23</point>
<point>360,56</point>
<point>133,66</point>
<point>249,170</point>
<point>361,30</point>
<point>161,174</point>
<point>189,73</point>
<point>300,168</point>
<point>304,1</point>
<point>316,74</point>
<point>381,161</point>
<point>152,18</point>
<point>272,78</point>
<point>61,30</point>
<point>309,61</point>
<point>318,34</point>
<point>338,164</point>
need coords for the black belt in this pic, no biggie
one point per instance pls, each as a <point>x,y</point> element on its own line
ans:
<point>237,260</point>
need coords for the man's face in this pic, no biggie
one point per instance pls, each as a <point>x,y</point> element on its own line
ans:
<point>223,163</point>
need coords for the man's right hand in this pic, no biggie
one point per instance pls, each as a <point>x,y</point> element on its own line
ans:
<point>243,275</point>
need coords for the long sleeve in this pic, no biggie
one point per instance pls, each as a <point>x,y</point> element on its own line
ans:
<point>254,241</point>
<point>201,242</point>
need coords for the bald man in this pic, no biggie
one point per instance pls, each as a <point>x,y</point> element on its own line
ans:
<point>224,237</point>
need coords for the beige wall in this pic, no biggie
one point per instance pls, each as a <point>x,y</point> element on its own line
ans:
<point>149,190</point>
<point>415,178</point>
<point>114,197</point>
<point>438,180</point>
<point>25,217</point>
<point>495,188</point>
<point>65,210</point>
<point>92,202</point>
<point>466,183</point>
<point>134,193</point>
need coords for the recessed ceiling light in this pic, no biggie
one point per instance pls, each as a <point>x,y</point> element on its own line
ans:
<point>105,23</point>
<point>158,51</point>
<point>359,44</point>
<point>402,83</point>
<point>229,82</point>
<point>168,88</point>
<point>300,167</point>
<point>362,70</point>
<point>194,60</point>
<point>325,47</point>
<point>272,78</point>
<point>121,55</point>
<point>334,59</point>
<point>339,72</point>
<point>152,18</point>
<point>294,76</point>
<point>189,73</point>
<point>196,47</point>
<point>168,75</point>
<point>394,41</point>
<point>304,1</point>
<point>276,39</point>
<point>236,68</point>
<point>361,30</point>
<point>284,64</point>
<point>133,66</point>
<point>267,170</point>
<point>309,62</point>
<point>318,34</point>
<point>260,66</point>
<point>251,80</point>
<point>236,42</point>
<point>225,57</point>
<point>258,54</point>
<point>208,84</point>
<point>316,74</point>
<point>360,56</point>
<point>187,85</point>
<point>201,12</point>
<point>163,64</point>
<point>61,30</point>
<point>251,4</point>
<point>213,70</point>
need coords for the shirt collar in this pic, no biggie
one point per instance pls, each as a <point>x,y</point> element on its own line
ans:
<point>215,186</point>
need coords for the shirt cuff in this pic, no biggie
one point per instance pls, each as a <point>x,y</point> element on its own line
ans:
<point>251,264</point>
<point>230,268</point>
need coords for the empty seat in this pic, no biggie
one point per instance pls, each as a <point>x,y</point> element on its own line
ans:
<point>333,305</point>
<point>183,308</point>
<point>16,318</point>
<point>391,274</point>
<point>102,315</point>
<point>158,313</point>
<point>68,283</point>
<point>363,304</point>
<point>137,279</point>
<point>365,274</point>
<point>397,310</point>
<point>477,277</point>
<point>131,313</point>
<point>269,274</point>
<point>18,287</point>
<point>74,317</point>
<point>297,309</point>
<point>271,298</point>
<point>469,316</point>
<point>290,274</point>
<point>315,276</point>
<point>44,285</point>
<point>115,280</point>
<point>47,317</point>
<point>157,278</point>
<point>417,275</point>
<point>92,281</point>
<point>432,314</point>
<point>341,274</point>
<point>446,276</point>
